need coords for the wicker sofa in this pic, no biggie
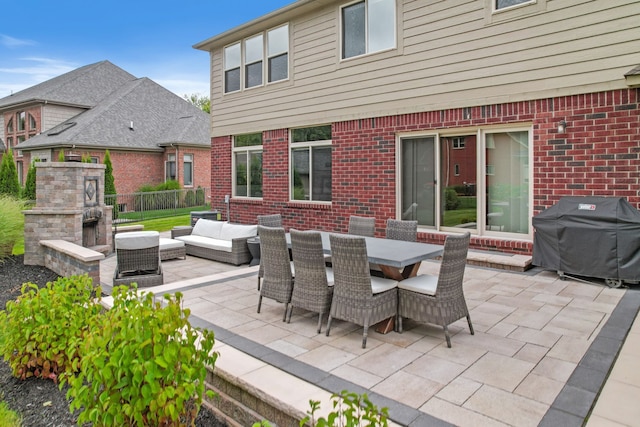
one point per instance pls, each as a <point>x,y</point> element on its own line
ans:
<point>217,240</point>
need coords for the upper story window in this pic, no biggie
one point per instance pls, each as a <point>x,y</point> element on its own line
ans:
<point>32,123</point>
<point>503,4</point>
<point>368,26</point>
<point>247,165</point>
<point>278,54</point>
<point>10,125</point>
<point>253,61</point>
<point>244,63</point>
<point>21,120</point>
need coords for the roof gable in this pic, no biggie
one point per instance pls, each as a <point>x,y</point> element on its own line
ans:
<point>84,86</point>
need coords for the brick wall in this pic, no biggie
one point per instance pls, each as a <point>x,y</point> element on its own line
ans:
<point>597,155</point>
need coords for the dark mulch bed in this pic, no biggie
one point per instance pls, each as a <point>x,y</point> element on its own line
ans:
<point>40,402</point>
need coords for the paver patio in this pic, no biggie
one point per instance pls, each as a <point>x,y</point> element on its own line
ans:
<point>532,332</point>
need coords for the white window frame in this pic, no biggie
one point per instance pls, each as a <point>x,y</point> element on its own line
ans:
<point>187,164</point>
<point>247,150</point>
<point>171,159</point>
<point>309,145</point>
<point>483,169</point>
<point>265,59</point>
<point>368,49</point>
<point>249,46</point>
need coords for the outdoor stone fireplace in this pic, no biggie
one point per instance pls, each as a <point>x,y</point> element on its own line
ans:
<point>70,207</point>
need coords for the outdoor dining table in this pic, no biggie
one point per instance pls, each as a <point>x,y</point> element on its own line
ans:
<point>398,259</point>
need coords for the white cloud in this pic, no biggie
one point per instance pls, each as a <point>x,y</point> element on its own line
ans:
<point>30,71</point>
<point>12,42</point>
<point>183,87</point>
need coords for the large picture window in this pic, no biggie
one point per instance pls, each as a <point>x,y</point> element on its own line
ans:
<point>247,165</point>
<point>311,163</point>
<point>368,26</point>
<point>477,181</point>
<point>245,65</point>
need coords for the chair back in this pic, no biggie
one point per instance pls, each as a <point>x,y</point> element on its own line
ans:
<point>402,230</point>
<point>277,282</point>
<point>454,261</point>
<point>272,220</point>
<point>351,275</point>
<point>362,226</point>
<point>308,259</point>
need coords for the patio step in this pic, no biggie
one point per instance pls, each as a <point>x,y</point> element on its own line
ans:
<point>500,260</point>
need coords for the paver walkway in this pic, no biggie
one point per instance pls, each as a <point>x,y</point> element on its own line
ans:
<point>541,352</point>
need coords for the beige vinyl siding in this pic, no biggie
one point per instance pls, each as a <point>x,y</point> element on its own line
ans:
<point>53,115</point>
<point>449,55</point>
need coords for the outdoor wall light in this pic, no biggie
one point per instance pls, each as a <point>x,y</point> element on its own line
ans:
<point>562,126</point>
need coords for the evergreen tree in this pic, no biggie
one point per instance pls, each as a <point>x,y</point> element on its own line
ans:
<point>29,192</point>
<point>109,185</point>
<point>109,182</point>
<point>9,183</point>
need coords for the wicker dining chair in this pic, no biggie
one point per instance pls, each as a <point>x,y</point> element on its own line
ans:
<point>402,230</point>
<point>272,220</point>
<point>277,282</point>
<point>138,259</point>
<point>313,288</point>
<point>438,299</point>
<point>362,225</point>
<point>357,296</point>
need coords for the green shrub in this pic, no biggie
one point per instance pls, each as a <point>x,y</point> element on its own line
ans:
<point>11,223</point>
<point>190,198</point>
<point>349,410</point>
<point>200,196</point>
<point>41,332</point>
<point>145,366</point>
<point>9,418</point>
<point>29,190</point>
<point>451,199</point>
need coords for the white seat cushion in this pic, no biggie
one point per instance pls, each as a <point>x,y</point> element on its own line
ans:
<point>380,284</point>
<point>137,240</point>
<point>422,284</point>
<point>207,242</point>
<point>170,243</point>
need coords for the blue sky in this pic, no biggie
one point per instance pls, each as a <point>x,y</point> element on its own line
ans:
<point>42,39</point>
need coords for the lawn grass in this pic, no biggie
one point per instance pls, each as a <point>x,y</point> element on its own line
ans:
<point>157,224</point>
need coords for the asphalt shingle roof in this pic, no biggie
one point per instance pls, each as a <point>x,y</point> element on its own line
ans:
<point>140,115</point>
<point>84,86</point>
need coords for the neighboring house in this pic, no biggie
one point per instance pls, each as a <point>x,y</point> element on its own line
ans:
<point>151,133</point>
<point>462,114</point>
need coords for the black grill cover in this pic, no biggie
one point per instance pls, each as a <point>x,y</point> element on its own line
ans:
<point>589,236</point>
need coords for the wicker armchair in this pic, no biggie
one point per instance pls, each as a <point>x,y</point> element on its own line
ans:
<point>273,220</point>
<point>402,230</point>
<point>277,282</point>
<point>438,300</point>
<point>313,288</point>
<point>138,259</point>
<point>362,225</point>
<point>358,297</point>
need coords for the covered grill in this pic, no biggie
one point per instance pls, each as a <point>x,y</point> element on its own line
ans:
<point>589,236</point>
